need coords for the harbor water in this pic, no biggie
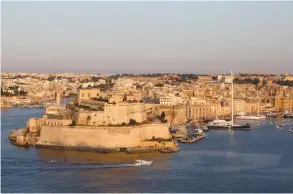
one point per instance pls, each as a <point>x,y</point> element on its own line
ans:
<point>260,160</point>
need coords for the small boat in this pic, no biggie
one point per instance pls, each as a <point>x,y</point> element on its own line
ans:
<point>166,151</point>
<point>187,140</point>
<point>142,163</point>
<point>290,131</point>
<point>273,114</point>
<point>288,115</point>
<point>191,139</point>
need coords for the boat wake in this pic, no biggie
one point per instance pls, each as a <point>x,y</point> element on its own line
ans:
<point>54,164</point>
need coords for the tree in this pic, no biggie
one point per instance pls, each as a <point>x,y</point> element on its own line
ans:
<point>132,122</point>
<point>159,85</point>
<point>163,115</point>
<point>236,81</point>
<point>51,78</point>
<point>73,123</point>
<point>256,81</point>
<point>285,83</point>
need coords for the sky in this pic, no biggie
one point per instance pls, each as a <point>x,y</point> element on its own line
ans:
<point>147,37</point>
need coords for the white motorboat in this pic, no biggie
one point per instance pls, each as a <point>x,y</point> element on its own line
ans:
<point>142,163</point>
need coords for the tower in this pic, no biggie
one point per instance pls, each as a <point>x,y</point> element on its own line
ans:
<point>58,99</point>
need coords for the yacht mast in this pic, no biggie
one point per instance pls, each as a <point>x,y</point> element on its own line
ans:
<point>232,99</point>
<point>257,103</point>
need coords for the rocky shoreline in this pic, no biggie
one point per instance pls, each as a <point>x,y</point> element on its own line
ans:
<point>21,137</point>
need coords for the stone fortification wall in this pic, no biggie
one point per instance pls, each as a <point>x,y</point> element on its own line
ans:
<point>178,113</point>
<point>113,114</point>
<point>122,113</point>
<point>106,137</point>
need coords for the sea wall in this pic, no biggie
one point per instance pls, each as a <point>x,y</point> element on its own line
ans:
<point>106,137</point>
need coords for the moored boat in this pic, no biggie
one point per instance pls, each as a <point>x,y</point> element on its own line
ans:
<point>288,115</point>
<point>223,124</point>
<point>192,139</point>
<point>251,117</point>
<point>273,114</point>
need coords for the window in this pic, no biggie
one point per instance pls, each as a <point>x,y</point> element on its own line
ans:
<point>97,94</point>
<point>89,94</point>
<point>81,94</point>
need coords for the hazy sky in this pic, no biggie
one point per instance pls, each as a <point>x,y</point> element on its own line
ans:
<point>147,37</point>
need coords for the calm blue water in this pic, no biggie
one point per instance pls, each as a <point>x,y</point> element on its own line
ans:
<point>257,161</point>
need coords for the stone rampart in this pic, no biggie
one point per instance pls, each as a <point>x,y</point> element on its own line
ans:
<point>106,137</point>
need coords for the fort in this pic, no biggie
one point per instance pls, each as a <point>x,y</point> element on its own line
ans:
<point>97,121</point>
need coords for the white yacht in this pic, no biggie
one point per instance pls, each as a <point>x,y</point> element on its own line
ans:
<point>219,124</point>
<point>223,124</point>
<point>251,117</point>
<point>142,163</point>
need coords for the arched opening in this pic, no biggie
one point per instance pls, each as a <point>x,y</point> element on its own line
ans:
<point>89,119</point>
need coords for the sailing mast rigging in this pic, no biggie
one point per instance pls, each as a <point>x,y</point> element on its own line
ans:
<point>232,120</point>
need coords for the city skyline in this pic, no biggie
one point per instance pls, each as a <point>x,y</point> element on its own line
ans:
<point>147,37</point>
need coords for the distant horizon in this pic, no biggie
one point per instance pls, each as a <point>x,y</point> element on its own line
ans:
<point>195,73</point>
<point>147,37</point>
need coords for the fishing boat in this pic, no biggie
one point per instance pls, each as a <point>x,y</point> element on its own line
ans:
<point>142,163</point>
